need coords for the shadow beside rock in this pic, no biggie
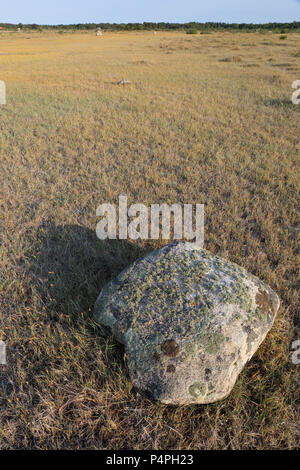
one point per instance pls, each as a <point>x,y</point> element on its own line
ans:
<point>70,265</point>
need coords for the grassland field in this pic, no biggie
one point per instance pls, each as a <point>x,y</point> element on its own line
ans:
<point>206,119</point>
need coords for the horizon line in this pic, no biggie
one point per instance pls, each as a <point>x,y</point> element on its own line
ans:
<point>153,22</point>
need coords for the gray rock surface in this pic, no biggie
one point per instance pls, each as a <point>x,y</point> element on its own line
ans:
<point>189,321</point>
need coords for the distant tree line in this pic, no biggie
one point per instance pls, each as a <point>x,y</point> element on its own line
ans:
<point>147,26</point>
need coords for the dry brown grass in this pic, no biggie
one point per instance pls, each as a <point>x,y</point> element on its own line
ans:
<point>189,128</point>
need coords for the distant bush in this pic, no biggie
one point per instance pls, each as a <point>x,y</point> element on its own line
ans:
<point>283,37</point>
<point>192,31</point>
<point>235,59</point>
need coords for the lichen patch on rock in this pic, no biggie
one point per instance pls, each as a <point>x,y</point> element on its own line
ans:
<point>189,321</point>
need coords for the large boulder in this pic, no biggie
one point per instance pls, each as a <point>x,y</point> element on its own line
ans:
<point>189,321</point>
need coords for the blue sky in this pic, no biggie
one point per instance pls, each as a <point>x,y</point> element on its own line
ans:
<point>119,11</point>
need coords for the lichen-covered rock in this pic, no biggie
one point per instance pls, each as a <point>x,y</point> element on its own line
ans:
<point>189,321</point>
